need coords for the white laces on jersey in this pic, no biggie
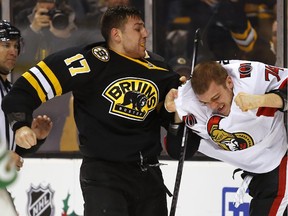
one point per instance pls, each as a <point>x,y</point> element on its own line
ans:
<point>239,197</point>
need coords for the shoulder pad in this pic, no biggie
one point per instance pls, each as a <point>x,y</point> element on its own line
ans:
<point>154,56</point>
<point>90,46</point>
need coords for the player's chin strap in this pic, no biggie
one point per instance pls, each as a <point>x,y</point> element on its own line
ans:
<point>239,197</point>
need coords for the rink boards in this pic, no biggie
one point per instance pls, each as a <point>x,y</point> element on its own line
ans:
<point>47,187</point>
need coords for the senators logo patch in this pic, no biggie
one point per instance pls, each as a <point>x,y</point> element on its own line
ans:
<point>132,98</point>
<point>190,120</point>
<point>101,53</point>
<point>226,140</point>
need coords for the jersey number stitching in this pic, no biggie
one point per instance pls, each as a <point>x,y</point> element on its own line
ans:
<point>84,68</point>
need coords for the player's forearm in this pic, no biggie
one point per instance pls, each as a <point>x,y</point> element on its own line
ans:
<point>17,116</point>
<point>177,119</point>
<point>272,100</point>
<point>174,140</point>
<point>19,105</point>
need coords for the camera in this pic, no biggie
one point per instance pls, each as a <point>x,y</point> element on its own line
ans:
<point>60,20</point>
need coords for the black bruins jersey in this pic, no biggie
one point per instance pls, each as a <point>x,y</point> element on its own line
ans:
<point>116,99</point>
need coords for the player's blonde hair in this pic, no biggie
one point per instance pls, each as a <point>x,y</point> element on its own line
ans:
<point>206,72</point>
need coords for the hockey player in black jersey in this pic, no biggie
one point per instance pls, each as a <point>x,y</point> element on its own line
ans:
<point>118,89</point>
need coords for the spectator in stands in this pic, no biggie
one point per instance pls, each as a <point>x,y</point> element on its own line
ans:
<point>51,28</point>
<point>228,29</point>
<point>90,25</point>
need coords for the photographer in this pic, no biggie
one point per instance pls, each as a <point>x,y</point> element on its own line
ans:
<point>51,28</point>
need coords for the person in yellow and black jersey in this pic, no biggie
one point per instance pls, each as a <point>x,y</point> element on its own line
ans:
<point>118,90</point>
<point>229,29</point>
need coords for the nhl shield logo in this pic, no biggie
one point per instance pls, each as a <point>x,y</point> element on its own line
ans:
<point>40,201</point>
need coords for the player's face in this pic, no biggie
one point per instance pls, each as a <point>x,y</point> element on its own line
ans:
<point>133,38</point>
<point>8,55</point>
<point>218,97</point>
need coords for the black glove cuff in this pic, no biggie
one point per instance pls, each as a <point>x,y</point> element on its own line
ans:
<point>174,128</point>
<point>283,95</point>
<point>18,120</point>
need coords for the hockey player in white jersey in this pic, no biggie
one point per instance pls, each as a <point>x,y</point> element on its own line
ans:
<point>237,109</point>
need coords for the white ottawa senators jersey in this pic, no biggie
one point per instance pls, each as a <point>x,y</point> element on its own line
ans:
<point>254,141</point>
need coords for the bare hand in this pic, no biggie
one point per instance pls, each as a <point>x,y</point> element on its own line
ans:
<point>183,79</point>
<point>41,126</point>
<point>248,102</point>
<point>40,20</point>
<point>169,100</point>
<point>17,160</point>
<point>25,137</point>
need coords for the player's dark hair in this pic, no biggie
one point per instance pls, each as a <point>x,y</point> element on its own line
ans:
<point>116,17</point>
<point>206,72</point>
